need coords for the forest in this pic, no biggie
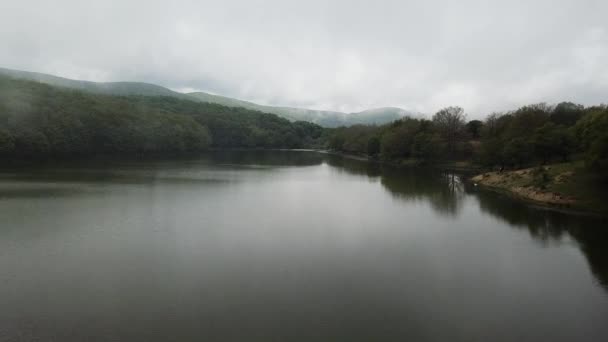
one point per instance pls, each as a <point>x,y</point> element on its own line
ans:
<point>42,121</point>
<point>536,134</point>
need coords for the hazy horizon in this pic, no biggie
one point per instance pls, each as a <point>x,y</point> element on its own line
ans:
<point>326,55</point>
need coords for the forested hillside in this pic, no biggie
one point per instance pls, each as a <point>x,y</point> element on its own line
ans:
<point>41,120</point>
<point>320,117</point>
<point>105,88</point>
<point>38,120</point>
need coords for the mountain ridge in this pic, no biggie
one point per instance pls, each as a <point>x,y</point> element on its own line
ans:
<point>324,118</point>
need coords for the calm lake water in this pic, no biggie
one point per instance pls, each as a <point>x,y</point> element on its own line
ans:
<point>284,246</point>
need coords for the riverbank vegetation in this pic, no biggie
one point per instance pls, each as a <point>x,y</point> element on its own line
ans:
<point>565,185</point>
<point>529,139</point>
<point>39,121</point>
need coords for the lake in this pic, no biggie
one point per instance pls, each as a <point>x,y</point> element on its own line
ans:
<point>285,246</point>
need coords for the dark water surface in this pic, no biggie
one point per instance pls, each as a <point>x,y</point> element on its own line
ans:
<point>284,246</point>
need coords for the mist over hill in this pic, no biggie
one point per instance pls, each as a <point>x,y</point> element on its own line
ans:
<point>377,116</point>
<point>39,121</point>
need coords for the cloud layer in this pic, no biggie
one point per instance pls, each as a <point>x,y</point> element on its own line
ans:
<point>326,54</point>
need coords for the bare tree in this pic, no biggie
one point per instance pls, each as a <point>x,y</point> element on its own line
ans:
<point>450,122</point>
<point>492,123</point>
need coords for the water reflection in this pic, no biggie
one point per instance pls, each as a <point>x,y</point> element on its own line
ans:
<point>446,191</point>
<point>80,177</point>
<point>546,226</point>
<point>443,190</point>
<point>24,192</point>
<point>355,167</point>
<point>262,158</point>
<point>288,246</point>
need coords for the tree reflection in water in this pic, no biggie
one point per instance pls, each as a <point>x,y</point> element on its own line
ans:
<point>445,192</point>
<point>546,226</point>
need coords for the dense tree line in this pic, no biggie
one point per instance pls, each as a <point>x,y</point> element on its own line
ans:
<point>38,120</point>
<point>540,134</point>
<point>41,120</point>
<point>591,132</point>
<point>530,135</point>
<point>443,137</point>
<point>234,127</point>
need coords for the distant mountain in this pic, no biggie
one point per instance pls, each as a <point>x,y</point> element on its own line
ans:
<point>324,118</point>
<point>378,116</point>
<point>107,88</point>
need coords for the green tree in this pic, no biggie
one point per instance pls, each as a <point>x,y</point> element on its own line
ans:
<point>7,143</point>
<point>517,152</point>
<point>491,152</point>
<point>428,146</point>
<point>567,113</point>
<point>373,146</point>
<point>474,127</point>
<point>551,141</point>
<point>31,143</point>
<point>397,139</point>
<point>592,132</point>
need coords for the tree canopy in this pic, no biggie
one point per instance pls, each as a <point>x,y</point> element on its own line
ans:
<point>40,120</point>
<point>533,134</point>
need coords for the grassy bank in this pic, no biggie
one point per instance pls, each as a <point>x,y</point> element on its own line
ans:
<point>564,186</point>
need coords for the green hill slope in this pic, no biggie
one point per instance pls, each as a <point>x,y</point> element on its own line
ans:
<point>323,118</point>
<point>378,116</point>
<point>38,121</point>
<point>108,88</point>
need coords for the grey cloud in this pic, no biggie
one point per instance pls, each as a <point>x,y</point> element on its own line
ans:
<point>334,55</point>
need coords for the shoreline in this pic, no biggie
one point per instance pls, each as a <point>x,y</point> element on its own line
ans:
<point>553,194</point>
<point>533,196</point>
<point>463,167</point>
<point>516,184</point>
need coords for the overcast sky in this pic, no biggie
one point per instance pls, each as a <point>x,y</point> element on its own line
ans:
<point>342,55</point>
